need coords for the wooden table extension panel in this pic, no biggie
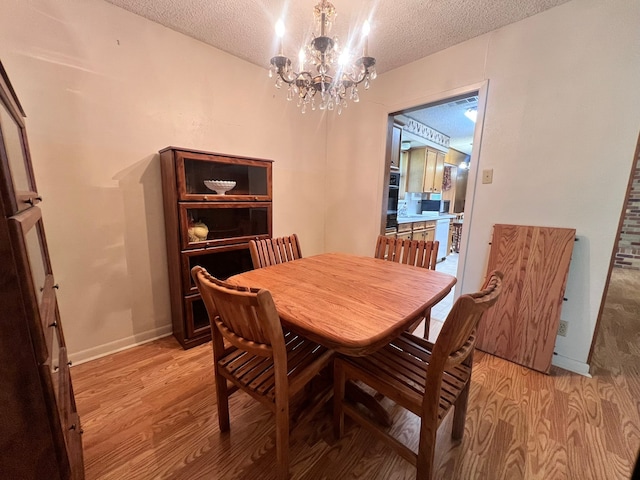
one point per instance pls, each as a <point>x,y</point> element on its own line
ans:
<point>523,324</point>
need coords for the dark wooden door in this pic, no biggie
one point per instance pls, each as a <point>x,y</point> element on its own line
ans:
<point>523,324</point>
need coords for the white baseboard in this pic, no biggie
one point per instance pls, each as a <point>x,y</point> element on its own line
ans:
<point>571,365</point>
<point>118,345</point>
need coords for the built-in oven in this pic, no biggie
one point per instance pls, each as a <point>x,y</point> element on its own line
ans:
<point>392,220</point>
<point>392,205</point>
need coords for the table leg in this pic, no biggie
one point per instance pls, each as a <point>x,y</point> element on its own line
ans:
<point>357,395</point>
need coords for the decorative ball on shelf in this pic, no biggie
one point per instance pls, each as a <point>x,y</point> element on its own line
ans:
<point>198,232</point>
<point>221,187</point>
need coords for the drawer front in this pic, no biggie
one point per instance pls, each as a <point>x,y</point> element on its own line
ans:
<point>50,316</point>
<point>63,396</point>
<point>56,382</point>
<point>404,227</point>
<point>69,419</point>
<point>74,448</point>
<point>419,225</point>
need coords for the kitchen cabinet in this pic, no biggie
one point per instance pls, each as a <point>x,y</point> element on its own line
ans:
<point>430,233</point>
<point>438,173</point>
<point>425,170</point>
<point>424,231</point>
<point>396,134</point>
<point>404,163</point>
<point>209,229</point>
<point>40,430</point>
<point>421,230</point>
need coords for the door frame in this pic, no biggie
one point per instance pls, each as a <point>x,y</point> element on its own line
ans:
<point>482,89</point>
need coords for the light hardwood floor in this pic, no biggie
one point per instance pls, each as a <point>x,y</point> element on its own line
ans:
<point>149,412</point>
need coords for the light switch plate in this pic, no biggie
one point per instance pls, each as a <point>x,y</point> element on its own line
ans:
<point>487,175</point>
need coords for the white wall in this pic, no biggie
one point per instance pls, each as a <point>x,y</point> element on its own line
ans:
<point>104,90</point>
<point>560,129</point>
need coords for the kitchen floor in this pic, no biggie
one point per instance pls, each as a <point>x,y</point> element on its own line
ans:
<point>441,310</point>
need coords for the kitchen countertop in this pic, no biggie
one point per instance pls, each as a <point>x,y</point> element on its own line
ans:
<point>425,217</point>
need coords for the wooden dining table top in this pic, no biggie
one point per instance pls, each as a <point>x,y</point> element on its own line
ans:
<point>349,303</point>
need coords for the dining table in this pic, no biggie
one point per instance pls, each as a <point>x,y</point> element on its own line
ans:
<point>351,304</point>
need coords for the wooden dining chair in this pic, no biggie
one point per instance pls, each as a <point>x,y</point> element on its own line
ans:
<point>425,378</point>
<point>271,251</point>
<point>419,253</point>
<point>260,358</point>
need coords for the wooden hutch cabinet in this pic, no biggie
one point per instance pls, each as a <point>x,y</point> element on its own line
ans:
<point>209,229</point>
<point>40,434</point>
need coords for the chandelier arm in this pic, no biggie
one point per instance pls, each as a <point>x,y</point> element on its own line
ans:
<point>286,79</point>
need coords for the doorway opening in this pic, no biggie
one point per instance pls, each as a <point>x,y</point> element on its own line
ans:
<point>618,326</point>
<point>431,150</point>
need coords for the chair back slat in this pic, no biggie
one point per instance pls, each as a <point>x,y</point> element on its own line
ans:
<point>457,337</point>
<point>419,253</point>
<point>246,317</point>
<point>271,251</point>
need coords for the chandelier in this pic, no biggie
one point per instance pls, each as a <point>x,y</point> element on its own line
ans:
<point>327,75</point>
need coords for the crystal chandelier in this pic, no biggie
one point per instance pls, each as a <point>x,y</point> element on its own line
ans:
<point>326,75</point>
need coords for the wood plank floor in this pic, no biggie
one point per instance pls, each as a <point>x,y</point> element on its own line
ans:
<point>149,412</point>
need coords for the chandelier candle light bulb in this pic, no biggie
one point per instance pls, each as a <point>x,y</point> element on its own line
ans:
<point>365,33</point>
<point>280,34</point>
<point>336,76</point>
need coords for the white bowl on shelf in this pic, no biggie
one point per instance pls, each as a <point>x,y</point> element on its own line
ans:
<point>221,187</point>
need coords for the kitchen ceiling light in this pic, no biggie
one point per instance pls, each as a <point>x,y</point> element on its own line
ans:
<point>332,75</point>
<point>471,114</point>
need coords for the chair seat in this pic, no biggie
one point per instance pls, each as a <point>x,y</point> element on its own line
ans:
<point>256,373</point>
<point>399,369</point>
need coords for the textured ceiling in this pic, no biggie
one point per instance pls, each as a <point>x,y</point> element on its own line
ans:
<point>401,30</point>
